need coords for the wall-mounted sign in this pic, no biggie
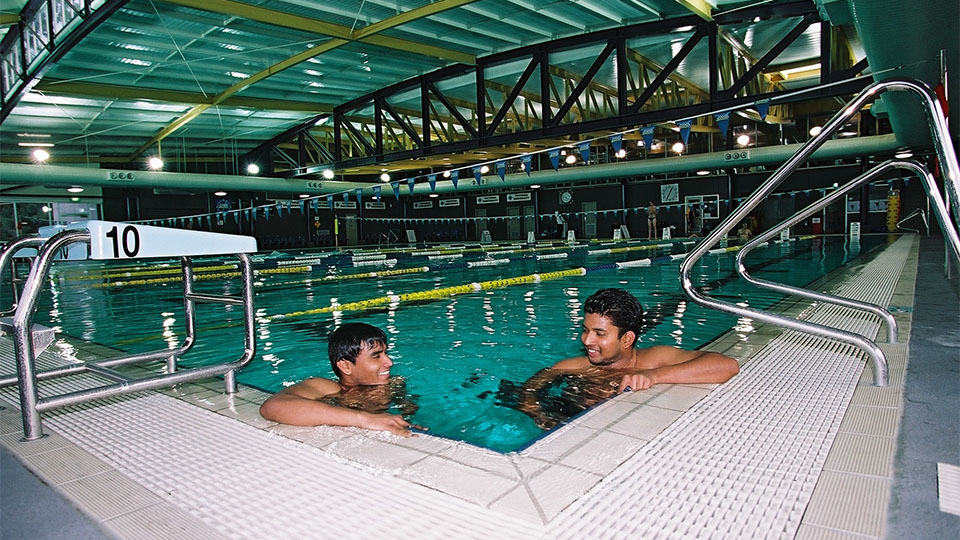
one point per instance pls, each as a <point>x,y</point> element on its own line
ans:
<point>375,205</point>
<point>449,202</point>
<point>422,204</point>
<point>566,197</point>
<point>669,193</point>
<point>488,199</point>
<point>348,205</point>
<point>517,197</point>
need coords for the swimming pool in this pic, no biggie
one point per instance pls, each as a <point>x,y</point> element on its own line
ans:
<point>460,355</point>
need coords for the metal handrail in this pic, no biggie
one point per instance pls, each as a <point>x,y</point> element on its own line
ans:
<point>6,257</point>
<point>911,215</point>
<point>951,173</point>
<point>810,210</point>
<point>27,376</point>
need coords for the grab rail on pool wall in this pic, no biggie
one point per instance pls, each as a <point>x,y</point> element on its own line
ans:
<point>31,405</point>
<point>7,254</point>
<point>951,170</point>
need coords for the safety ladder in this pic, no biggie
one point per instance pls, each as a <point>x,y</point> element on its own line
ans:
<point>941,205</point>
<point>117,241</point>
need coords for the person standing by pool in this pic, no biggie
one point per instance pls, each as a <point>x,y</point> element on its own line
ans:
<point>613,362</point>
<point>358,355</point>
<point>651,221</point>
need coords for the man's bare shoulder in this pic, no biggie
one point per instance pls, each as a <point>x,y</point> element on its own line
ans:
<point>662,355</point>
<point>313,388</point>
<point>569,364</point>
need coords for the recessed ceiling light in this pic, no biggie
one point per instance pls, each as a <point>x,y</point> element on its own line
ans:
<point>220,193</point>
<point>534,186</point>
<point>703,173</point>
<point>35,144</point>
<point>434,195</point>
<point>304,196</point>
<point>75,189</point>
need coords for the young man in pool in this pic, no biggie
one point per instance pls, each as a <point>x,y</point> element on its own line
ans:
<point>611,328</point>
<point>358,354</point>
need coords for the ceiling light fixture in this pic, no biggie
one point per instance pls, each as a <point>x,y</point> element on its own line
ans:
<point>743,140</point>
<point>253,168</point>
<point>384,177</point>
<point>446,174</point>
<point>571,159</point>
<point>434,195</point>
<point>41,155</point>
<point>534,186</point>
<point>903,154</point>
<point>484,169</point>
<point>815,130</point>
<point>35,144</point>
<point>304,196</point>
<point>75,189</point>
<point>677,147</point>
<point>220,193</point>
<point>703,173</point>
<point>621,153</point>
<point>328,174</point>
<point>155,163</point>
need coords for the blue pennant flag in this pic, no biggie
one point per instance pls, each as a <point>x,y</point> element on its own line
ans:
<point>358,192</point>
<point>410,182</point>
<point>236,216</point>
<point>330,201</point>
<point>684,126</point>
<point>617,142</point>
<point>303,207</point>
<point>723,122</point>
<point>477,174</point>
<point>396,190</point>
<point>525,163</point>
<point>502,170</point>
<point>315,203</point>
<point>554,156</point>
<point>763,106</point>
<point>266,212</point>
<point>647,133</point>
<point>346,196</point>
<point>286,206</point>
<point>584,149</point>
<point>376,193</point>
<point>246,214</point>
<point>432,180</point>
<point>454,177</point>
<point>209,221</point>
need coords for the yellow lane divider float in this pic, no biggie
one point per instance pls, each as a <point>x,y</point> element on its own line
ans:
<point>433,294</point>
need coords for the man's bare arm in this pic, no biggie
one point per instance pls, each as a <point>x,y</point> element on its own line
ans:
<point>298,405</point>
<point>666,365</point>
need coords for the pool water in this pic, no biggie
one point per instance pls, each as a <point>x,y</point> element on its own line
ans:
<point>462,357</point>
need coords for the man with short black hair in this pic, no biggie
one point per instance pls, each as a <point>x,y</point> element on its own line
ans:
<point>358,355</point>
<point>612,324</point>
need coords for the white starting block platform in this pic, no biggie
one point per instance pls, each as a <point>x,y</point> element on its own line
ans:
<point>110,240</point>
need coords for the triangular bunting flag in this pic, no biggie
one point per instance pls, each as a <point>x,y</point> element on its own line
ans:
<point>525,163</point>
<point>477,174</point>
<point>723,122</point>
<point>647,133</point>
<point>410,182</point>
<point>502,170</point>
<point>617,142</point>
<point>396,190</point>
<point>684,126</point>
<point>330,201</point>
<point>584,149</point>
<point>554,156</point>
<point>346,196</point>
<point>432,180</point>
<point>763,107</point>
<point>376,193</point>
<point>454,177</point>
<point>236,216</point>
<point>266,212</point>
<point>358,192</point>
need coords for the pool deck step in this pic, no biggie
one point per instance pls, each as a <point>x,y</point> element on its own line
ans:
<point>797,445</point>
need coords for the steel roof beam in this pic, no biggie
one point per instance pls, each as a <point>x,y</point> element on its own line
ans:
<point>700,8</point>
<point>761,64</point>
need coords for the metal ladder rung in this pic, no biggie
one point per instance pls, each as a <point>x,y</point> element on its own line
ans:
<point>214,299</point>
<point>109,373</point>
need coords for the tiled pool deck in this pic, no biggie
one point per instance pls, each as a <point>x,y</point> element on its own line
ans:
<point>200,464</point>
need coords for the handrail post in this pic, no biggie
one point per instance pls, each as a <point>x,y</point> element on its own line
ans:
<point>7,255</point>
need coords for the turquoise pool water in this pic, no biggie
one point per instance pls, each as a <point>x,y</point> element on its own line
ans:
<point>460,355</point>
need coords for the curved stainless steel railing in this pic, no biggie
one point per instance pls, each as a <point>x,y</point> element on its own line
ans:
<point>31,405</point>
<point>6,258</point>
<point>951,174</point>
<point>911,215</point>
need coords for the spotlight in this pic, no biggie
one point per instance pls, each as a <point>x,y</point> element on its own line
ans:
<point>155,163</point>
<point>384,177</point>
<point>903,154</point>
<point>304,196</point>
<point>677,147</point>
<point>75,189</point>
<point>743,140</point>
<point>41,155</point>
<point>571,159</point>
<point>534,186</point>
<point>621,153</point>
<point>484,169</point>
<point>46,209</point>
<point>328,174</point>
<point>220,193</point>
<point>253,168</point>
<point>446,174</point>
<point>815,130</point>
<point>434,195</point>
<point>703,173</point>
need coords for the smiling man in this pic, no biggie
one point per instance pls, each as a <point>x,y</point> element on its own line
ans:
<point>613,363</point>
<point>361,397</point>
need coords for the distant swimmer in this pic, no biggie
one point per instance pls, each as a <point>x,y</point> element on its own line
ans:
<point>651,221</point>
<point>358,354</point>
<point>611,327</point>
<point>744,234</point>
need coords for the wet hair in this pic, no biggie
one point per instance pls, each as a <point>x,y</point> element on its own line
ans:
<point>621,307</point>
<point>349,340</point>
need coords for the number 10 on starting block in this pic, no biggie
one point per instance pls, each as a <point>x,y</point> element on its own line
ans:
<point>113,240</point>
